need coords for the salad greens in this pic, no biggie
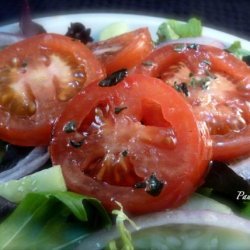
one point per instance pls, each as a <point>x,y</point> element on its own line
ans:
<point>56,220</point>
<point>47,180</point>
<point>173,29</point>
<point>236,49</point>
<point>113,29</point>
<point>126,238</point>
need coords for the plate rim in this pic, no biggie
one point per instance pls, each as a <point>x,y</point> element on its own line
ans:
<point>149,20</point>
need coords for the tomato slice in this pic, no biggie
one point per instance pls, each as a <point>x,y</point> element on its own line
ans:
<point>38,76</point>
<point>137,143</point>
<point>216,84</point>
<point>124,51</point>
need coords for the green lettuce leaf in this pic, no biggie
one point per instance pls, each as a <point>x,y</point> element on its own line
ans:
<point>173,29</point>
<point>236,49</point>
<point>52,221</point>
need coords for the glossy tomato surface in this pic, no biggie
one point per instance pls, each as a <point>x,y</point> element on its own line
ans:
<point>137,143</point>
<point>38,77</point>
<point>216,84</point>
<point>123,51</point>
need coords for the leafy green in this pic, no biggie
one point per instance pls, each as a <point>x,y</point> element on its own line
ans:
<point>236,49</point>
<point>16,190</point>
<point>126,240</point>
<point>245,211</point>
<point>52,221</point>
<point>114,29</point>
<point>172,29</point>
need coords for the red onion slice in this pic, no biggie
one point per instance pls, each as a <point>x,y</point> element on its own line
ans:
<point>242,168</point>
<point>202,218</point>
<point>9,38</point>
<point>32,162</point>
<point>202,40</point>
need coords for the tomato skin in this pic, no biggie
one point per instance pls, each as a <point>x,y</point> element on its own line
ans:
<point>123,51</point>
<point>152,108</point>
<point>227,111</point>
<point>37,79</point>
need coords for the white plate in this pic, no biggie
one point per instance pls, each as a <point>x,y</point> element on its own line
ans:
<point>97,21</point>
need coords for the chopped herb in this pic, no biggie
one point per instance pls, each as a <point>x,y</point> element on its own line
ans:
<point>114,78</point>
<point>179,47</point>
<point>202,82</point>
<point>141,184</point>
<point>206,62</point>
<point>193,46</point>
<point>125,153</point>
<point>182,87</point>
<point>119,109</point>
<point>75,143</point>
<point>210,74</point>
<point>147,63</point>
<point>24,64</point>
<point>69,127</point>
<point>152,185</point>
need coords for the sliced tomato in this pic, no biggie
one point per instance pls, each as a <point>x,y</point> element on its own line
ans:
<point>137,143</point>
<point>216,84</point>
<point>38,76</point>
<point>123,51</point>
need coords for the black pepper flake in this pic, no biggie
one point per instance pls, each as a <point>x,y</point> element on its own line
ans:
<point>75,143</point>
<point>69,127</point>
<point>119,109</point>
<point>114,78</point>
<point>152,185</point>
<point>182,87</point>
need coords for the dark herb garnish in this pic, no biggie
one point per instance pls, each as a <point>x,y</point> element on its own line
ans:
<point>152,185</point>
<point>246,59</point>
<point>223,181</point>
<point>206,62</point>
<point>210,74</point>
<point>114,78</point>
<point>80,32</point>
<point>76,143</point>
<point>125,153</point>
<point>119,109</point>
<point>69,127</point>
<point>182,87</point>
<point>201,82</point>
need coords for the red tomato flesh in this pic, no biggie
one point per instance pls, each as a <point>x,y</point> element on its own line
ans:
<point>217,85</point>
<point>38,76</point>
<point>123,51</point>
<point>127,135</point>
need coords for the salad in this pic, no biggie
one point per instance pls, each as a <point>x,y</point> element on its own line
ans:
<point>139,140</point>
